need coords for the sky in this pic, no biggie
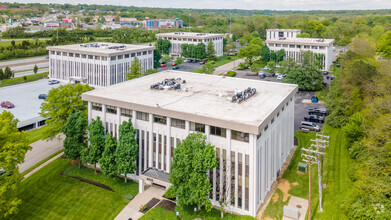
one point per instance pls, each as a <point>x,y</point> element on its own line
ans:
<point>238,4</point>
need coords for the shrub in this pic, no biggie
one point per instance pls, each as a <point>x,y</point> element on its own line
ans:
<point>231,74</point>
<point>243,66</point>
<point>143,207</point>
<point>170,194</point>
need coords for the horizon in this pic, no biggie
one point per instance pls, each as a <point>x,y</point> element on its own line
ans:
<point>250,5</point>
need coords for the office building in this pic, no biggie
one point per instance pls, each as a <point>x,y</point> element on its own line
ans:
<point>179,38</point>
<point>252,137</point>
<point>97,64</point>
<point>152,24</point>
<point>277,39</point>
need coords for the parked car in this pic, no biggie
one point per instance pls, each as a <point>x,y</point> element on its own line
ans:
<point>314,118</point>
<point>51,82</point>
<point>266,68</point>
<point>325,73</point>
<point>252,74</point>
<point>7,104</point>
<point>279,77</point>
<point>330,77</point>
<point>173,64</point>
<point>163,65</point>
<point>175,67</point>
<point>262,76</point>
<point>202,62</point>
<point>318,111</point>
<point>42,96</point>
<point>309,125</point>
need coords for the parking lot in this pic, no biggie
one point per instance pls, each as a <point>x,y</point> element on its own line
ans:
<point>301,109</point>
<point>183,67</point>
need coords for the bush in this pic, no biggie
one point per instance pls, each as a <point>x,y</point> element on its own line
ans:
<point>231,74</point>
<point>129,197</point>
<point>170,194</point>
<point>243,66</point>
<point>143,207</point>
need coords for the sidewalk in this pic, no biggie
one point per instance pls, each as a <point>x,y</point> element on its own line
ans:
<point>131,210</point>
<point>227,67</point>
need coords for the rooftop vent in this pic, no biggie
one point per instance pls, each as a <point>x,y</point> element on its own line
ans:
<point>240,96</point>
<point>169,84</point>
<point>90,45</point>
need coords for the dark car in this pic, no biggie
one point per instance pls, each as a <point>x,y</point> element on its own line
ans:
<point>318,111</point>
<point>7,104</point>
<point>330,77</point>
<point>42,96</point>
<point>175,67</point>
<point>325,73</point>
<point>51,82</point>
<point>314,118</point>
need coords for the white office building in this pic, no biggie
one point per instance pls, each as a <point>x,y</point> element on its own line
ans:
<point>179,38</point>
<point>277,39</point>
<point>252,138</point>
<point>97,64</point>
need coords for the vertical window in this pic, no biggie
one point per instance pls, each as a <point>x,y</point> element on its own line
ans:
<point>232,178</point>
<point>160,119</point>
<point>178,123</point>
<point>142,116</point>
<point>218,131</point>
<point>111,109</point>
<point>160,152</point>
<point>197,127</point>
<point>240,179</point>
<point>126,112</point>
<point>154,150</point>
<point>218,174</point>
<point>240,136</point>
<point>247,182</point>
<point>96,106</point>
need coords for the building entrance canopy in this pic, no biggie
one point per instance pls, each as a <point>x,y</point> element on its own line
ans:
<point>155,176</point>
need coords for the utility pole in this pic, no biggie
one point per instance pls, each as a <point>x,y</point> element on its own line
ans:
<point>321,142</point>
<point>311,157</point>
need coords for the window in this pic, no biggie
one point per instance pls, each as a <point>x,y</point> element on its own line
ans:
<point>247,172</point>
<point>314,47</point>
<point>71,54</point>
<point>77,55</point>
<point>113,58</point>
<point>240,177</point>
<point>126,112</point>
<point>126,56</point>
<point>97,57</point>
<point>144,52</point>
<point>58,53</point>
<point>142,116</point>
<point>298,46</point>
<point>83,56</point>
<point>160,119</point>
<point>218,131</point>
<point>272,121</point>
<point>138,53</point>
<point>97,106</point>
<point>239,136</point>
<point>283,108</point>
<point>104,58</point>
<point>280,34</point>
<point>132,54</point>
<point>278,114</point>
<point>178,123</point>
<point>150,52</point>
<point>52,52</point>
<point>266,127</point>
<point>111,109</point>
<point>120,57</point>
<point>291,46</point>
<point>197,127</point>
<point>90,57</point>
<point>259,135</point>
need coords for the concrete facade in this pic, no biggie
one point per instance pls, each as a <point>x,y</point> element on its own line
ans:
<point>97,64</point>
<point>252,139</point>
<point>277,39</point>
<point>179,38</point>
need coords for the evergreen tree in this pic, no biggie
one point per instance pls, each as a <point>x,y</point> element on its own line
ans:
<point>107,161</point>
<point>156,59</point>
<point>96,138</point>
<point>127,150</point>
<point>7,73</point>
<point>135,70</point>
<point>75,135</point>
<point>265,54</point>
<point>1,74</point>
<point>35,69</point>
<point>210,53</point>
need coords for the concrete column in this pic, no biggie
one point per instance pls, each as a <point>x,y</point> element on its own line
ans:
<point>150,156</point>
<point>168,150</point>
<point>252,174</point>
<point>187,127</point>
<point>140,186</point>
<point>89,112</point>
<point>104,116</point>
<point>207,133</point>
<point>163,150</point>
<point>119,121</point>
<point>236,178</point>
<point>243,180</point>
<point>228,159</point>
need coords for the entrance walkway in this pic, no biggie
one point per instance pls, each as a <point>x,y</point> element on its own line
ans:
<point>131,210</point>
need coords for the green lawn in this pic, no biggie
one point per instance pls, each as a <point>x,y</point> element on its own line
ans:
<point>36,134</point>
<point>20,80</point>
<point>188,213</point>
<point>335,176</point>
<point>17,42</point>
<point>49,195</point>
<point>224,60</point>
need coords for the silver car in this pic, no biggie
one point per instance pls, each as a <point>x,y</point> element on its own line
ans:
<point>309,125</point>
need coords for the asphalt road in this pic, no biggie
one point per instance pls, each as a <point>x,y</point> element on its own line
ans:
<point>183,67</point>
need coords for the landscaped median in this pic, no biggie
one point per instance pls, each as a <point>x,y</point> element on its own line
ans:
<point>23,79</point>
<point>55,192</point>
<point>335,176</point>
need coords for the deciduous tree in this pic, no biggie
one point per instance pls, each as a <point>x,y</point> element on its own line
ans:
<point>179,61</point>
<point>60,103</point>
<point>96,139</point>
<point>210,53</point>
<point>250,53</point>
<point>163,46</point>
<point>166,58</point>
<point>193,158</point>
<point>107,161</point>
<point>208,68</point>
<point>13,148</point>
<point>127,150</point>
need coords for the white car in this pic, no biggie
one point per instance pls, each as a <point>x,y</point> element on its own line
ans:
<point>279,77</point>
<point>266,68</point>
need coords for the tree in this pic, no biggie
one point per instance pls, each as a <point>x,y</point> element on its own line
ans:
<point>250,52</point>
<point>163,46</point>
<point>384,47</point>
<point>265,54</point>
<point>135,70</point>
<point>179,61</point>
<point>255,68</point>
<point>150,71</point>
<point>210,53</point>
<point>60,104</point>
<point>280,55</point>
<point>107,161</point>
<point>1,74</point>
<point>272,66</point>
<point>96,139</point>
<point>156,59</point>
<point>303,35</point>
<point>75,135</point>
<point>273,56</point>
<point>166,58</point>
<point>13,148</point>
<point>127,150</point>
<point>7,72</point>
<point>35,69</point>
<point>256,41</point>
<point>87,19</point>
<point>25,78</point>
<point>193,158</point>
<point>208,68</point>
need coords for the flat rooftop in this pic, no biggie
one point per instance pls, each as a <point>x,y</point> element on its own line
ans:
<point>189,35</point>
<point>203,99</point>
<point>101,48</point>
<point>303,41</point>
<point>25,98</point>
<point>289,30</point>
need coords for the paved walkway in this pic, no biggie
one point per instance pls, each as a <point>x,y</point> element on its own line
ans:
<point>131,209</point>
<point>41,150</point>
<point>227,67</point>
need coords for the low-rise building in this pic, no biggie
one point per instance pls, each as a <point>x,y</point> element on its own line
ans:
<point>97,64</point>
<point>277,39</point>
<point>252,137</point>
<point>151,24</point>
<point>179,38</point>
<point>51,24</point>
